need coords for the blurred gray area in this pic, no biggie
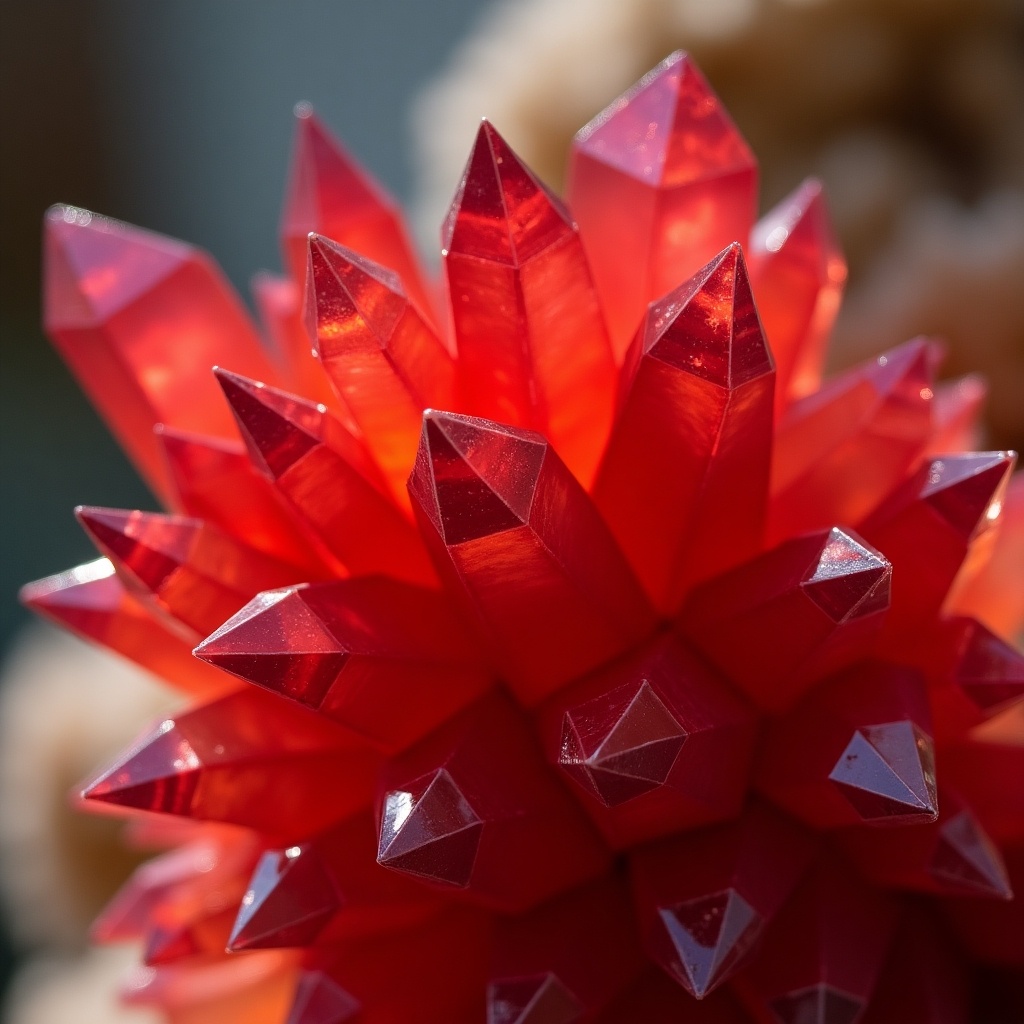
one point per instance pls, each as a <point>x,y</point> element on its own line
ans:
<point>176,116</point>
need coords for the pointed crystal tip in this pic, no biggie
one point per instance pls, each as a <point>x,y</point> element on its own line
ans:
<point>276,641</point>
<point>540,999</point>
<point>319,999</point>
<point>160,774</point>
<point>850,579</point>
<point>474,477</point>
<point>435,834</point>
<point>989,671</point>
<point>965,858</point>
<point>965,489</point>
<point>887,773</point>
<point>290,898</point>
<point>709,937</point>
<point>820,1004</point>
<point>621,745</point>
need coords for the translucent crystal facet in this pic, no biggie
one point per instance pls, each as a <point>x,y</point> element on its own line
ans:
<point>697,394</point>
<point>660,182</point>
<point>533,350</point>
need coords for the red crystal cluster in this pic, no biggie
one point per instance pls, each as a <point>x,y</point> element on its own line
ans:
<point>564,649</point>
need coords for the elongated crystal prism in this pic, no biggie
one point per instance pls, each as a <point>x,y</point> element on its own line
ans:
<point>329,193</point>
<point>329,478</point>
<point>656,743</point>
<point>91,601</point>
<point>660,181</point>
<point>797,273</point>
<point>533,349</point>
<point>806,608</point>
<point>703,899</point>
<point>454,816</point>
<point>839,452</point>
<point>246,759</point>
<point>857,750</point>
<point>384,359</point>
<point>191,570</point>
<point>387,660</point>
<point>696,395</point>
<point>496,504</point>
<point>141,320</point>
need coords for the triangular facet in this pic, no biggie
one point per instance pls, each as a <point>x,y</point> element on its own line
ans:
<point>989,671</point>
<point>501,212</point>
<point>278,428</point>
<point>965,858</point>
<point>709,937</point>
<point>290,898</point>
<point>709,326</point>
<point>850,579</point>
<point>887,773</point>
<point>540,999</point>
<point>670,129</point>
<point>962,488</point>
<point>476,476</point>
<point>276,641</point>
<point>435,834</point>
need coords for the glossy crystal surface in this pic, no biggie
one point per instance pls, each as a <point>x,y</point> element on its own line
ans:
<point>564,645</point>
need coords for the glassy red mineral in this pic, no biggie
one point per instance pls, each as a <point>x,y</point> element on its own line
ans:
<point>566,647</point>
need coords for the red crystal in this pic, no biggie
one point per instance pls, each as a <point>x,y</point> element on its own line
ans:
<point>384,359</point>
<point>806,608</point>
<point>385,659</point>
<point>840,451</point>
<point>329,479</point>
<point>141,320</point>
<point>704,899</point>
<point>656,744</point>
<point>246,759</point>
<point>494,504</point>
<point>857,750</point>
<point>451,813</point>
<point>329,193</point>
<point>797,273</point>
<point>533,350</point>
<point>696,394</point>
<point>660,182</point>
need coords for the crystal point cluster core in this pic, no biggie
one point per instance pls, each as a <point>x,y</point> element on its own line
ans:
<point>561,646</point>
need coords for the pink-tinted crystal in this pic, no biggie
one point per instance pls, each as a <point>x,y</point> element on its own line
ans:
<point>797,272</point>
<point>858,749</point>
<point>454,815</point>
<point>822,956</point>
<point>384,359</point>
<point>191,570</point>
<point>656,743</point>
<point>497,504</point>
<point>329,193</point>
<point>704,898</point>
<point>387,660</point>
<point>533,349</point>
<point>91,601</point>
<point>141,320</point>
<point>929,526</point>
<point>329,479</point>
<point>660,181</point>
<point>247,759</point>
<point>804,609</point>
<point>319,999</point>
<point>696,395</point>
<point>839,452</point>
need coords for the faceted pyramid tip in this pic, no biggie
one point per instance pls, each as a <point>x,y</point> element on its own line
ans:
<point>539,999</point>
<point>849,578</point>
<point>319,999</point>
<point>966,858</point>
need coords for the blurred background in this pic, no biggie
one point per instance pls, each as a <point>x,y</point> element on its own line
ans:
<point>177,116</point>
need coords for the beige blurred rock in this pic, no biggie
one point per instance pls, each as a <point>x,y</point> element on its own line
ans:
<point>912,111</point>
<point>66,709</point>
<point>75,990</point>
